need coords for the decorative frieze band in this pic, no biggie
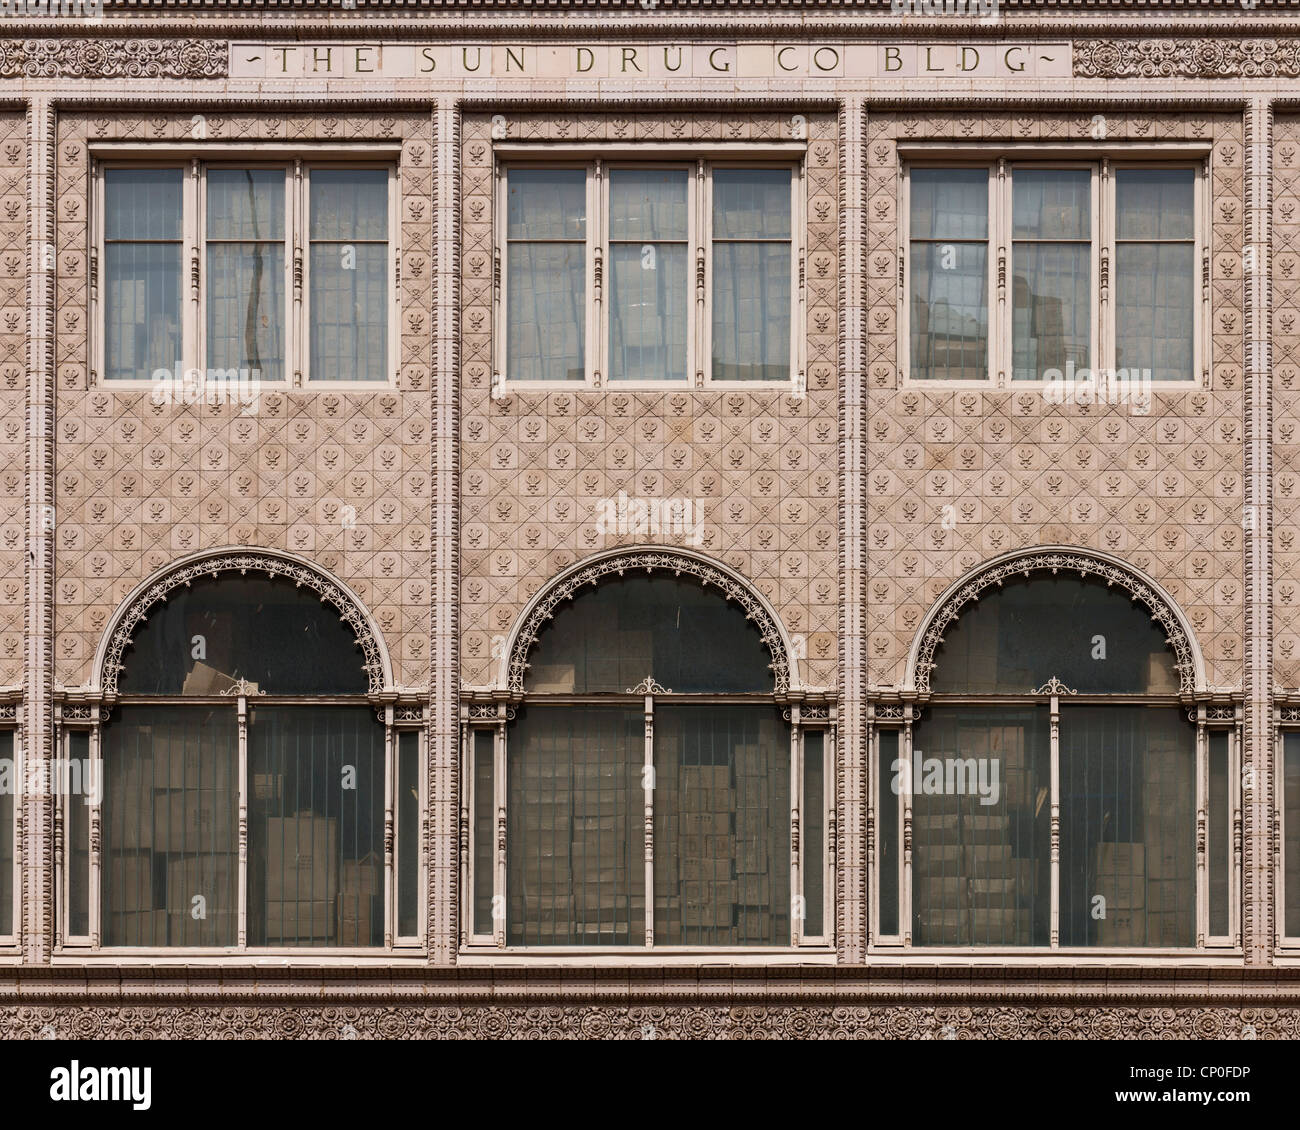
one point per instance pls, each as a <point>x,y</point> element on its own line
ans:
<point>1187,58</point>
<point>110,58</point>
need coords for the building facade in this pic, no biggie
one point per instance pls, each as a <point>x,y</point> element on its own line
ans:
<point>658,519</point>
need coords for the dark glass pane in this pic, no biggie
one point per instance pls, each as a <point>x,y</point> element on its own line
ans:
<point>1052,203</point>
<point>981,827</point>
<point>949,326</point>
<point>1218,850</point>
<point>76,811</point>
<point>610,637</point>
<point>349,311</point>
<point>484,829</point>
<point>8,770</point>
<point>408,833</point>
<point>1128,824</point>
<point>1155,203</point>
<point>142,311</point>
<point>649,204</point>
<point>575,857</point>
<point>245,204</point>
<point>546,311</point>
<point>949,203</point>
<point>1155,304</point>
<point>751,311</point>
<point>887,831</point>
<point>813,841</point>
<point>721,826</point>
<point>546,204</point>
<point>143,204</point>
<point>751,204</point>
<point>278,636</point>
<point>1092,637</point>
<point>170,865</point>
<point>315,826</point>
<point>349,204</point>
<point>1291,829</point>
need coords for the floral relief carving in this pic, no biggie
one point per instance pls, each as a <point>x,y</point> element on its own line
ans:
<point>107,58</point>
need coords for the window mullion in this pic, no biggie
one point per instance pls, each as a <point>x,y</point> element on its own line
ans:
<point>648,779</point>
<point>390,834</point>
<point>1054,907</point>
<point>1106,239</point>
<point>499,838</point>
<point>95,795</point>
<point>597,337</point>
<point>905,822</point>
<point>1000,329</point>
<point>192,328</point>
<point>296,334</point>
<point>1202,830</point>
<point>242,755</point>
<point>797,901</point>
<point>703,299</point>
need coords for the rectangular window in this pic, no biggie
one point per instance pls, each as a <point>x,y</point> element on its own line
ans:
<point>7,833</point>
<point>266,312</point>
<point>408,833</point>
<point>1291,830</point>
<point>484,779</point>
<point>812,843</point>
<point>1218,848</point>
<point>1005,282</point>
<point>600,285</point>
<point>887,802</point>
<point>76,816</point>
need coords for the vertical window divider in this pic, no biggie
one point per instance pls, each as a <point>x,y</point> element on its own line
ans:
<point>831,852</point>
<point>799,907</point>
<point>905,821</point>
<point>999,331</point>
<point>1202,209</point>
<point>96,238</point>
<point>93,775</point>
<point>192,234</point>
<point>468,782</point>
<point>500,328</point>
<point>1235,829</point>
<point>1105,359</point>
<point>1054,856</point>
<point>703,234</point>
<point>62,864</point>
<point>873,831</point>
<point>293,339</point>
<point>499,804</point>
<point>1202,829</point>
<point>242,758</point>
<point>799,267</point>
<point>597,337</point>
<point>390,776</point>
<point>648,778</point>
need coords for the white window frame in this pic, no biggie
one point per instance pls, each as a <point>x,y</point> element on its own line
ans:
<point>297,266</point>
<point>90,948</point>
<point>1001,168</point>
<point>699,263</point>
<point>10,720</point>
<point>492,947</point>
<point>1207,720</point>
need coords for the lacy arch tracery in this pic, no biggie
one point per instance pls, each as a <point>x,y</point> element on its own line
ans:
<point>1084,563</point>
<point>676,562</point>
<point>136,608</point>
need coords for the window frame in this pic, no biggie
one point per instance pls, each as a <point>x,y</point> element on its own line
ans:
<point>297,247</point>
<point>1286,720</point>
<point>1104,164</point>
<point>902,718</point>
<point>11,720</point>
<point>396,720</point>
<point>699,162</point>
<point>496,719</point>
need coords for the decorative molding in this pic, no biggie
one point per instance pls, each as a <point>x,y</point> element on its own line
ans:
<point>731,587</point>
<point>243,687</point>
<point>648,686</point>
<point>1054,686</point>
<point>1187,58</point>
<point>331,592</point>
<point>1056,561</point>
<point>108,58</point>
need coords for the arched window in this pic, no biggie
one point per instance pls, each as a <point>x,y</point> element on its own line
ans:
<point>1052,782</point>
<point>242,726</point>
<point>649,780</point>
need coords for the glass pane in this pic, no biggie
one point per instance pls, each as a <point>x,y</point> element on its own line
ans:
<point>9,770</point>
<point>349,311</point>
<point>349,204</point>
<point>484,830</point>
<point>315,826</point>
<point>76,811</point>
<point>576,857</point>
<point>1218,849</point>
<point>142,203</point>
<point>170,870</point>
<point>1100,642</point>
<point>245,297</point>
<point>1155,298</point>
<point>546,204</point>
<point>648,204</point>
<point>1291,828</point>
<point>722,826</point>
<point>981,827</point>
<point>751,311</point>
<point>280,637</point>
<point>751,204</point>
<point>950,203</point>
<point>1155,203</point>
<point>245,204</point>
<point>614,635</point>
<point>1128,827</point>
<point>546,294</point>
<point>1052,203</point>
<point>647,312</point>
<point>813,823</point>
<point>887,831</point>
<point>1051,311</point>
<point>408,833</point>
<point>949,311</point>
<point>142,310</point>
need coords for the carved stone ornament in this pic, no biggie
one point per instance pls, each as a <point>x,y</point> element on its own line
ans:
<point>107,58</point>
<point>648,686</point>
<point>1187,58</point>
<point>1054,686</point>
<point>650,561</point>
<point>329,592</point>
<point>1081,564</point>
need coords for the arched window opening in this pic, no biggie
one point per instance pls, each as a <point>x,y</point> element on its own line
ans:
<point>647,781</point>
<point>1053,718</point>
<point>242,720</point>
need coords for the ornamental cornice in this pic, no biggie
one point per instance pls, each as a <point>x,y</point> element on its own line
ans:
<point>113,58</point>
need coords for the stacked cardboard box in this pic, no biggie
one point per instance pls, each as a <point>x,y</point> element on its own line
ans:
<point>1170,868</point>
<point>302,876</point>
<point>135,914</point>
<point>360,901</point>
<point>707,830</point>
<point>1119,876</point>
<point>195,819</point>
<point>215,880</point>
